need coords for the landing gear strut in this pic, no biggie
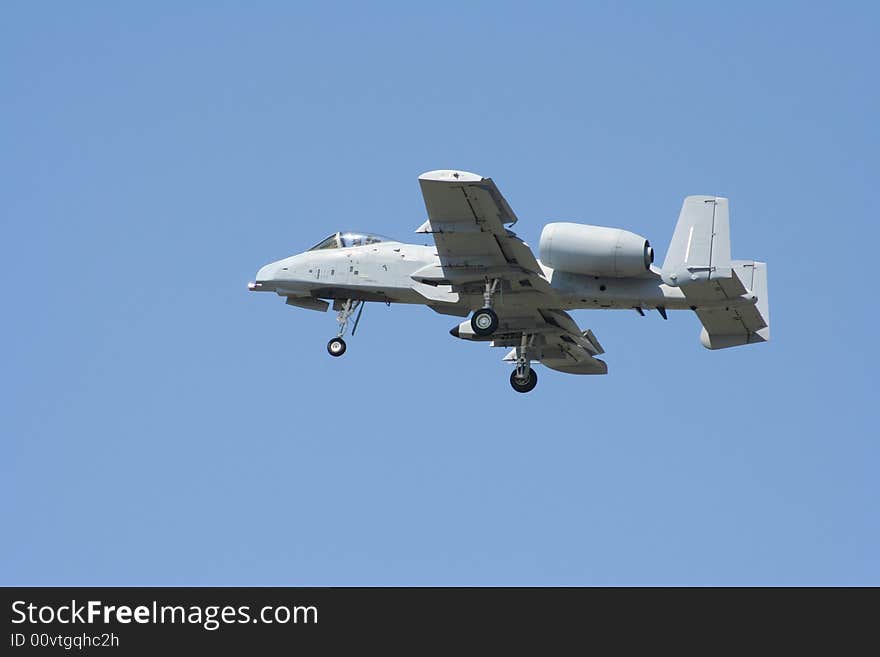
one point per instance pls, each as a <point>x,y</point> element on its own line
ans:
<point>484,321</point>
<point>523,378</point>
<point>336,347</point>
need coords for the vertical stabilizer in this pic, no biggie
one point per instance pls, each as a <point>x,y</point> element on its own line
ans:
<point>700,247</point>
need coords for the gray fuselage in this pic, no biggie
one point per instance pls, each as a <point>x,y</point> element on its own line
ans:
<point>383,272</point>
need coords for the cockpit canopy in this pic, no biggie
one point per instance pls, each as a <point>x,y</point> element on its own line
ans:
<point>345,240</point>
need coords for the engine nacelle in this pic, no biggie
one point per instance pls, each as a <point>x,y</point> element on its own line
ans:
<point>595,250</point>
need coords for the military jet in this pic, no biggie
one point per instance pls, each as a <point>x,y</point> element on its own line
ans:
<point>479,267</point>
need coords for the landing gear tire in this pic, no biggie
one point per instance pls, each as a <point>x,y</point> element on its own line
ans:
<point>484,322</point>
<point>336,347</point>
<point>524,386</point>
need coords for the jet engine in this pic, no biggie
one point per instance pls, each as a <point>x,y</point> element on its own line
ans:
<point>595,250</point>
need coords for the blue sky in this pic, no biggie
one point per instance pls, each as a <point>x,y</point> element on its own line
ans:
<point>160,425</point>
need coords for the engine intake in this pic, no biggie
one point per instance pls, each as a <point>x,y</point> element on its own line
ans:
<point>595,250</point>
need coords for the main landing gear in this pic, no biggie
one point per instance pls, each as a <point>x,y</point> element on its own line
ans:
<point>524,385</point>
<point>524,378</point>
<point>484,321</point>
<point>336,347</point>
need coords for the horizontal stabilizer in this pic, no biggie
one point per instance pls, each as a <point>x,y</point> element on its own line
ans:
<point>735,325</point>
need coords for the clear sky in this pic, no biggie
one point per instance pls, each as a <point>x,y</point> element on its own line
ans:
<point>161,425</point>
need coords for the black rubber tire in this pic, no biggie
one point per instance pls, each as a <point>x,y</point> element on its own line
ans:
<point>480,317</point>
<point>527,386</point>
<point>336,347</point>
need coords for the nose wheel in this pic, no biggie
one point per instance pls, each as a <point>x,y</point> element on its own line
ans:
<point>345,309</point>
<point>336,347</point>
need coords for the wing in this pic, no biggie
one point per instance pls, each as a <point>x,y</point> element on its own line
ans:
<point>557,342</point>
<point>467,216</point>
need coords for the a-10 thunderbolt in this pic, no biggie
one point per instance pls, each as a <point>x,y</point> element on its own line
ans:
<point>478,267</point>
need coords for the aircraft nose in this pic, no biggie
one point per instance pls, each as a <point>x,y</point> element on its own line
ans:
<point>265,277</point>
<point>266,273</point>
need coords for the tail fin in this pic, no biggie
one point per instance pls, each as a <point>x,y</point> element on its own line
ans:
<point>700,247</point>
<point>730,296</point>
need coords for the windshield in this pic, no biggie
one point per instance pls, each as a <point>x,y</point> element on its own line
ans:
<point>348,239</point>
<point>329,243</point>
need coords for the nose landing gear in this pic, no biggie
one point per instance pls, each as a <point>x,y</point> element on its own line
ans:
<point>336,347</point>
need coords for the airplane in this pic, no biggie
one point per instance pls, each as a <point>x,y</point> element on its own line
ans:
<point>479,267</point>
